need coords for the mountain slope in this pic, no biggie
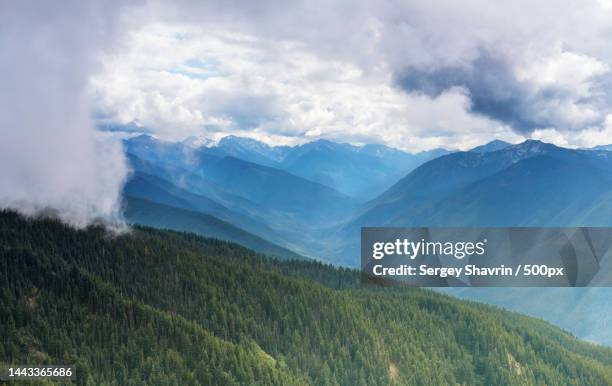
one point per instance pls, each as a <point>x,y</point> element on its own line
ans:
<point>281,222</point>
<point>239,212</point>
<point>160,307</point>
<point>158,190</point>
<point>274,189</point>
<point>155,151</point>
<point>583,311</point>
<point>417,198</point>
<point>549,190</point>
<point>148,213</point>
<point>436,178</point>
<point>155,189</point>
<point>343,166</point>
<point>530,184</point>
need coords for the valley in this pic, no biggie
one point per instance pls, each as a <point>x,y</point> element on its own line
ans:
<point>498,184</point>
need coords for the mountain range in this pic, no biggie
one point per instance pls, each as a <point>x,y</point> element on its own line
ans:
<point>311,200</point>
<point>341,166</point>
<point>276,193</point>
<point>532,183</point>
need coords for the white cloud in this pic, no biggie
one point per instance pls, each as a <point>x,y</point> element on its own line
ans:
<point>594,136</point>
<point>50,154</point>
<point>550,135</point>
<point>317,69</point>
<point>564,70</point>
<point>565,86</point>
<point>586,138</point>
<point>219,81</point>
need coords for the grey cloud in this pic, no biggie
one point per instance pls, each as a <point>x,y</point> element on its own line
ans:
<point>494,90</point>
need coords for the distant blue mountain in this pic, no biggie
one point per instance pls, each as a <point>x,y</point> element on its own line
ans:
<point>529,184</point>
<point>602,147</point>
<point>157,152</point>
<point>491,146</point>
<point>161,216</point>
<point>416,197</point>
<point>249,150</point>
<point>271,203</point>
<point>274,189</point>
<point>361,172</point>
<point>340,166</point>
<point>158,190</point>
<point>221,176</point>
<point>562,188</point>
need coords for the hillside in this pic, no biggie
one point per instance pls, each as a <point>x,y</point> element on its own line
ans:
<point>154,189</point>
<point>217,175</point>
<point>532,183</point>
<point>148,213</point>
<point>274,189</point>
<point>158,307</point>
<point>528,184</point>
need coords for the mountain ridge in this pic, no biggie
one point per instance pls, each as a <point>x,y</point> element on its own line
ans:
<point>144,212</point>
<point>334,164</point>
<point>158,307</point>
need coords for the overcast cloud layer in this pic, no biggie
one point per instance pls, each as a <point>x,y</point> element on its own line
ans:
<point>414,75</point>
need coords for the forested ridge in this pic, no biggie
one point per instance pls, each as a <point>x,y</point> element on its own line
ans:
<point>152,307</point>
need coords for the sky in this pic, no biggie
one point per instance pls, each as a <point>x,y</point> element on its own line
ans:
<point>410,74</point>
<point>414,75</point>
